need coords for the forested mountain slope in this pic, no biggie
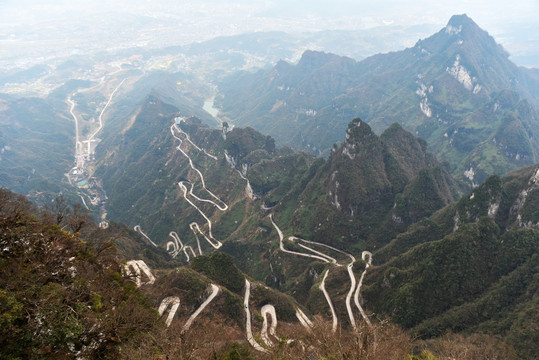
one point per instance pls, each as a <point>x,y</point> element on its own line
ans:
<point>456,89</point>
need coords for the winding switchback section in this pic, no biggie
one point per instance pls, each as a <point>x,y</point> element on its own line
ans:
<point>248,330</point>
<point>328,299</point>
<point>137,268</point>
<point>328,259</point>
<point>174,303</point>
<point>281,245</point>
<point>222,207</point>
<point>214,293</point>
<point>195,145</point>
<point>268,310</point>
<point>177,247</point>
<point>364,254</point>
<point>220,204</point>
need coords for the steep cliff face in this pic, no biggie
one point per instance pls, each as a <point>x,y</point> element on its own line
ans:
<point>358,171</point>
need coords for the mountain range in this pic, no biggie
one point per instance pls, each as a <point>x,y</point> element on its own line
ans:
<point>410,235</point>
<point>456,89</point>
<point>383,193</point>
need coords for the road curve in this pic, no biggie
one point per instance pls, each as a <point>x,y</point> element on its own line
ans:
<point>364,254</point>
<point>250,337</point>
<point>281,245</point>
<point>174,301</point>
<point>186,254</point>
<point>191,164</point>
<point>328,299</point>
<point>217,244</point>
<point>304,320</point>
<point>349,268</point>
<point>176,244</point>
<point>194,145</point>
<point>220,204</point>
<point>328,259</point>
<point>139,267</point>
<point>100,118</point>
<point>214,293</point>
<point>139,230</point>
<point>268,310</point>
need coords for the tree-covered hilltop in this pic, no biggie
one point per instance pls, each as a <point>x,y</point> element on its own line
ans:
<point>71,295</point>
<point>60,296</point>
<point>469,267</point>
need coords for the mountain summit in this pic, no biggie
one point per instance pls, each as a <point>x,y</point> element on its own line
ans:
<point>464,22</point>
<point>448,89</point>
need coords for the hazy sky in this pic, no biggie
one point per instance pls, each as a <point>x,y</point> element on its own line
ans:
<point>489,13</point>
<point>513,23</point>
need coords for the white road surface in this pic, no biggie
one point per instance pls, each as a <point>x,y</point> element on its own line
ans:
<point>174,303</point>
<point>250,337</point>
<point>356,295</point>
<point>304,320</point>
<point>137,268</point>
<point>328,299</point>
<point>281,245</point>
<point>268,310</point>
<point>195,145</point>
<point>188,193</point>
<point>215,243</point>
<point>214,293</point>
<point>139,230</point>
<point>222,207</point>
<point>328,259</point>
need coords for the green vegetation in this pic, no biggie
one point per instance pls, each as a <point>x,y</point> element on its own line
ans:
<point>464,271</point>
<point>59,296</point>
<point>489,124</point>
<point>220,268</point>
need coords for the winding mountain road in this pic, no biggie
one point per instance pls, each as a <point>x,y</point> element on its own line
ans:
<point>328,259</point>
<point>176,244</point>
<point>217,243</point>
<point>250,337</point>
<point>364,254</point>
<point>304,320</point>
<point>194,145</point>
<point>281,245</point>
<point>137,268</point>
<point>214,293</point>
<point>224,205</point>
<point>139,230</point>
<point>268,310</point>
<point>328,299</point>
<point>174,303</point>
<point>187,193</point>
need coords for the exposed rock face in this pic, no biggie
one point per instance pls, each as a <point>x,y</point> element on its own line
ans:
<point>367,171</point>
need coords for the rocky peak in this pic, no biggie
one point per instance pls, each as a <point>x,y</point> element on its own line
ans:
<point>359,136</point>
<point>459,23</point>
